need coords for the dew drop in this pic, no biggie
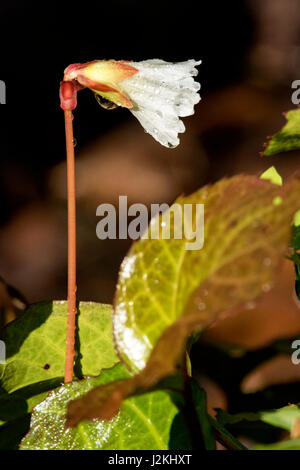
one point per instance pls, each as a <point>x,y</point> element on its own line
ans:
<point>74,142</point>
<point>201,305</point>
<point>267,287</point>
<point>250,305</point>
<point>267,262</point>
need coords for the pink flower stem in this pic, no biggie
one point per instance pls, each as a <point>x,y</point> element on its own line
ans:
<point>68,102</point>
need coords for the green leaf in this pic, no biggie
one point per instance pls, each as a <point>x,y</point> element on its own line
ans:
<point>35,350</point>
<point>296,238</point>
<point>225,437</point>
<point>295,256</point>
<point>21,402</point>
<point>289,136</point>
<point>272,175</point>
<point>12,433</point>
<point>147,422</point>
<point>281,418</point>
<point>199,398</point>
<point>292,444</point>
<point>297,220</point>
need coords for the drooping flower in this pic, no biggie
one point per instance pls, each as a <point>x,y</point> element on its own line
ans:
<point>157,93</point>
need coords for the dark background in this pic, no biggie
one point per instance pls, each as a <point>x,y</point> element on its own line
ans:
<point>250,54</point>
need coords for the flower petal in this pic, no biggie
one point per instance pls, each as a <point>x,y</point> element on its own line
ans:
<point>113,93</point>
<point>161,92</point>
<point>101,71</point>
<point>102,77</point>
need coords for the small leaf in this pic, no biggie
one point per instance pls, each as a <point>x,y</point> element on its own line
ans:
<point>281,418</point>
<point>297,219</point>
<point>288,138</point>
<point>147,422</point>
<point>272,175</point>
<point>292,444</point>
<point>35,348</point>
<point>295,256</point>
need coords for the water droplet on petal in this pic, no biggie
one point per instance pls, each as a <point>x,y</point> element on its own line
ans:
<point>106,104</point>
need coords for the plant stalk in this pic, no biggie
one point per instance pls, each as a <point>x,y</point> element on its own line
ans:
<point>72,288</point>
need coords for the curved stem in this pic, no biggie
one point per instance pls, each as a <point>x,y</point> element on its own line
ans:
<point>71,325</point>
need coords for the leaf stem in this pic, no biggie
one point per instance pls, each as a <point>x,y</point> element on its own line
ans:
<point>71,321</point>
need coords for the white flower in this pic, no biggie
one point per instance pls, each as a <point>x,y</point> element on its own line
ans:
<point>161,92</point>
<point>157,93</point>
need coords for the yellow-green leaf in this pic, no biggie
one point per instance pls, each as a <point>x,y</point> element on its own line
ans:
<point>246,234</point>
<point>288,138</point>
<point>165,292</point>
